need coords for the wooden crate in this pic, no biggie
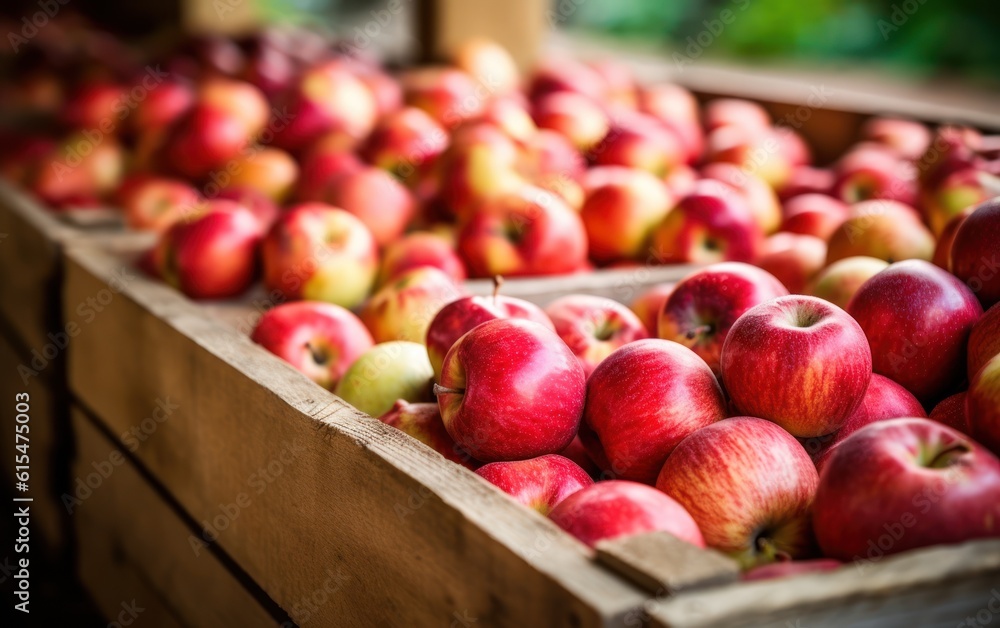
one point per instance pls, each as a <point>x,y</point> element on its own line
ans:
<point>408,537</point>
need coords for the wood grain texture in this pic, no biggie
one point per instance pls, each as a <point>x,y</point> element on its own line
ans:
<point>325,502</point>
<point>150,539</point>
<point>938,586</point>
<point>664,565</point>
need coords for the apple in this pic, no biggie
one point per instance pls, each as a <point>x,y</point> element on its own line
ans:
<point>577,452</point>
<point>681,179</point>
<point>677,108</point>
<point>268,67</point>
<point>884,399</point>
<point>749,486</point>
<point>260,205</point>
<point>328,97</point>
<point>620,215</point>
<point>946,239</point>
<point>649,303</point>
<point>404,308</point>
<point>593,327</point>
<point>982,405</point>
<point>320,253</point>
<point>975,257</point>
<point>875,173</point>
<point>761,151</point>
<point>385,373</point>
<point>793,258</point>
<point>884,229</point>
<point>838,282</point>
<point>406,143</point>
<point>617,508</point>
<point>421,248</point>
<point>550,154</point>
<point>953,194</point>
<point>322,166</point>
<point>639,141</point>
<point>482,164</point>
<point>95,106</point>
<point>510,389</point>
<point>583,121</point>
<point>814,214</point>
<point>565,74</point>
<point>711,224</point>
<point>239,99</point>
<point>423,422</point>
<point>212,255</point>
<point>539,483</point>
<point>162,106</point>
<point>620,85</point>
<point>760,197</point>
<point>489,63</point>
<point>510,115</point>
<point>722,112</point>
<point>950,411</point>
<point>462,315</point>
<point>448,95</point>
<point>704,305</point>
<point>529,232</point>
<point>385,89</point>
<point>78,172</point>
<point>204,141</point>
<point>799,361</point>
<point>908,138</point>
<point>788,568</point>
<point>377,199</point>
<point>319,339</point>
<point>807,180</point>
<point>902,484</point>
<point>272,171</point>
<point>155,203</point>
<point>644,399</point>
<point>917,318</point>
<point>984,341</point>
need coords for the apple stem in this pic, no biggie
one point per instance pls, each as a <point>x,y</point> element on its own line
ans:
<point>497,284</point>
<point>697,331</point>
<point>444,390</point>
<point>318,356</point>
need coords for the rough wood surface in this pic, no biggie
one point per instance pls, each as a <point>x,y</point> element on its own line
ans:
<point>150,539</point>
<point>664,565</point>
<point>324,503</point>
<point>939,586</point>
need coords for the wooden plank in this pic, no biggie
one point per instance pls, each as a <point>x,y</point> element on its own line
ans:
<point>48,445</point>
<point>939,586</point>
<point>323,498</point>
<point>518,25</point>
<point>150,539</point>
<point>662,564</point>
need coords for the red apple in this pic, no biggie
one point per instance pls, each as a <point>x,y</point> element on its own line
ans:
<point>577,452</point>
<point>953,194</point>
<point>982,405</point>
<point>404,308</point>
<point>96,107</point>
<point>448,95</point>
<point>155,203</point>
<point>643,400</point>
<point>649,303</point>
<point>793,258</point>
<point>884,399</point>
<point>320,253</point>
<point>205,140</point>
<point>946,240</point>
<point>564,74</point>
<point>704,305</point>
<point>593,327</point>
<point>984,341</point>
<point>539,483</point>
<point>951,412</point>
<point>884,229</point>
<point>482,164</point>
<point>722,112</point>
<point>489,63</point>
<point>838,282</point>
<point>620,214</point>
<point>807,180</point>
<point>636,140</point>
<point>377,199</point>
<point>798,361</point>
<point>322,167</point>
<point>760,197</point>
<point>510,389</point>
<point>902,484</point>
<point>875,173</point>
<point>462,315</point>
<point>617,508</point>
<point>814,214</point>
<point>162,106</point>
<point>748,485</point>
<point>260,205</point>
<point>420,249</point>
<point>975,256</point>
<point>319,339</point>
<point>530,232</point>
<point>711,224</point>
<point>239,99</point>
<point>406,143</point>
<point>760,151</point>
<point>908,138</point>
<point>423,422</point>
<point>79,172</point>
<point>917,318</point>
<point>577,117</point>
<point>212,255</point>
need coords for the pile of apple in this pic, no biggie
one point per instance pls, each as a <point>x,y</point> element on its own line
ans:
<point>818,392</point>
